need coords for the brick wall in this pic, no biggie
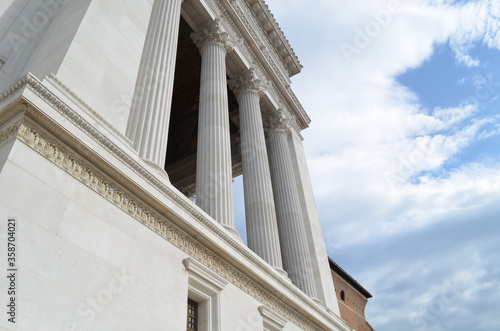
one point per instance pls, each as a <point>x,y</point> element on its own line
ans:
<point>352,308</point>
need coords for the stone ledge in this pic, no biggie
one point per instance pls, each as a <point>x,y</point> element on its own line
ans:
<point>170,215</point>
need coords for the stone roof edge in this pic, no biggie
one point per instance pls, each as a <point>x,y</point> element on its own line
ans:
<point>348,278</point>
<point>263,13</point>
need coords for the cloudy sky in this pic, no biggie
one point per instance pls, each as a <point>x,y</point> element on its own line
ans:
<point>403,150</point>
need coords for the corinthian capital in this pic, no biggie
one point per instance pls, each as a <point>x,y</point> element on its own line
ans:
<point>277,122</point>
<point>247,81</point>
<point>213,34</point>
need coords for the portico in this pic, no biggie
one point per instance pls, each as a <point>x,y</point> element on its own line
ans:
<point>122,127</point>
<point>223,89</point>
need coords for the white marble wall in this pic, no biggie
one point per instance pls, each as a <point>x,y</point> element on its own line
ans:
<point>316,243</point>
<point>93,47</point>
<point>102,71</point>
<point>84,264</point>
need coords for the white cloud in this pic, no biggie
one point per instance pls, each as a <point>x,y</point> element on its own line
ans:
<point>391,193</point>
<point>478,21</point>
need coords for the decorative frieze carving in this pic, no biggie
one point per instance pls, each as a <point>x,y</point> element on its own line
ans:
<point>50,148</point>
<point>41,91</point>
<point>141,206</point>
<point>193,13</point>
<point>9,133</point>
<point>145,216</point>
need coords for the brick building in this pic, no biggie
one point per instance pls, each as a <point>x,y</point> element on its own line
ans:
<point>352,299</point>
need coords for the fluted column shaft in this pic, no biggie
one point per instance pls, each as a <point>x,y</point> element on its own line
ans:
<point>260,213</point>
<point>149,117</point>
<point>214,188</point>
<point>296,260</point>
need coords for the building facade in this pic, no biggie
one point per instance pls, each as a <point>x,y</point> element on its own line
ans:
<point>122,126</point>
<point>352,299</point>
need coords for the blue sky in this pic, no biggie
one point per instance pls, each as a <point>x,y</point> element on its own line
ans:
<point>403,151</point>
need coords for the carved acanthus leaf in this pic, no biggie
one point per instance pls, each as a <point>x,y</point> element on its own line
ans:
<point>247,81</point>
<point>213,34</point>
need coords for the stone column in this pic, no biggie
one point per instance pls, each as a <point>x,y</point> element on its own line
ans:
<point>260,213</point>
<point>149,117</point>
<point>214,187</point>
<point>294,249</point>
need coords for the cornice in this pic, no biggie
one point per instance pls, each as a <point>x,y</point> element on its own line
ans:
<point>199,270</point>
<point>271,318</point>
<point>52,141</point>
<point>260,42</point>
<point>273,32</point>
